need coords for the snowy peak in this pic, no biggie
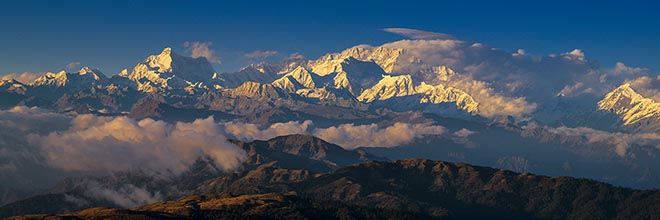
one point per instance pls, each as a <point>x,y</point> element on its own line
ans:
<point>86,77</point>
<point>443,73</point>
<point>260,73</point>
<point>383,57</point>
<point>299,78</point>
<point>386,57</point>
<point>94,73</point>
<point>401,86</point>
<point>620,93</point>
<point>388,87</point>
<point>255,89</point>
<point>317,93</point>
<point>12,85</point>
<point>169,70</point>
<point>162,61</point>
<point>440,94</point>
<point>347,73</point>
<point>302,76</point>
<point>55,79</point>
<point>633,108</point>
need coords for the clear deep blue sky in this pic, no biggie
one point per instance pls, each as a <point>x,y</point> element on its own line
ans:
<point>41,36</point>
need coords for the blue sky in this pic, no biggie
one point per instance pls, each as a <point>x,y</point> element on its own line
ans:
<point>42,36</point>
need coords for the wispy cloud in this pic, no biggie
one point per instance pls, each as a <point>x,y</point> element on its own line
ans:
<point>201,49</point>
<point>127,195</point>
<point>258,54</point>
<point>72,65</point>
<point>621,141</point>
<point>419,34</point>
<point>296,56</point>
<point>25,77</point>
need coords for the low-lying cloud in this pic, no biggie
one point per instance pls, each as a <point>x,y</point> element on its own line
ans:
<point>248,132</point>
<point>349,136</point>
<point>620,141</point>
<point>126,195</point>
<point>114,144</point>
<point>352,136</point>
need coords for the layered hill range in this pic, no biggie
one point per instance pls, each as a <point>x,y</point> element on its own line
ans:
<point>403,189</point>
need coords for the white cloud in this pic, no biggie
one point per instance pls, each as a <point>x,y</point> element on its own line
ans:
<point>573,90</point>
<point>519,52</point>
<point>296,56</point>
<point>492,103</point>
<point>461,137</point>
<point>641,82</point>
<point>25,77</point>
<point>346,135</point>
<point>620,142</point>
<point>352,136</point>
<point>258,54</point>
<point>418,34</point>
<point>492,77</point>
<point>574,55</point>
<point>646,86</point>
<point>115,144</point>
<point>621,68</point>
<point>201,49</point>
<point>126,196</point>
<point>21,163</point>
<point>431,52</point>
<point>464,133</point>
<point>492,72</point>
<point>248,132</point>
<point>24,120</point>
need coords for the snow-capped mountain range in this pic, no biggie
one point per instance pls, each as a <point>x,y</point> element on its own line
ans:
<point>363,77</point>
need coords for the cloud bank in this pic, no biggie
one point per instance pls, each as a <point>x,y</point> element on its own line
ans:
<point>114,144</point>
<point>352,136</point>
<point>125,195</point>
<point>490,76</point>
<point>248,132</point>
<point>348,136</point>
<point>622,142</point>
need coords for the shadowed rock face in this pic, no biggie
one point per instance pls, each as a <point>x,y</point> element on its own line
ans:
<point>403,189</point>
<point>453,190</point>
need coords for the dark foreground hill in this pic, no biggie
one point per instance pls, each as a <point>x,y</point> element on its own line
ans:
<point>403,189</point>
<point>289,152</point>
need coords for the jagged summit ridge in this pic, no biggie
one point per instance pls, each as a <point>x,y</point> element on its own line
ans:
<point>357,76</point>
<point>168,70</point>
<point>84,77</point>
<point>388,87</point>
<point>633,108</point>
